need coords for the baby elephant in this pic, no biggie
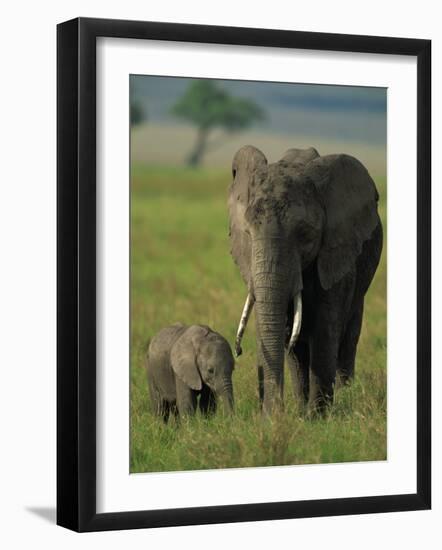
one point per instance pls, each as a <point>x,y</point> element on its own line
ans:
<point>184,363</point>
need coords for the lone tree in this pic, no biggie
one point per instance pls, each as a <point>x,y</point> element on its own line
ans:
<point>209,107</point>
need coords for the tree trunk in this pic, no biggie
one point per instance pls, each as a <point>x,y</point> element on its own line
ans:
<point>194,159</point>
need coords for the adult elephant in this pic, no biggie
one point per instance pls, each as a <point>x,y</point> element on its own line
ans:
<point>307,238</point>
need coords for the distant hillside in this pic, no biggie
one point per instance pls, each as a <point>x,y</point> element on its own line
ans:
<point>161,144</point>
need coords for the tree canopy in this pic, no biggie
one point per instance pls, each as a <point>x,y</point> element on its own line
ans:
<point>208,107</point>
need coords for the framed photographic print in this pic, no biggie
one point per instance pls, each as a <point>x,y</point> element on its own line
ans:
<point>243,274</point>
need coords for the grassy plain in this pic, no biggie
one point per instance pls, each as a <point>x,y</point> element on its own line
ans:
<point>181,270</point>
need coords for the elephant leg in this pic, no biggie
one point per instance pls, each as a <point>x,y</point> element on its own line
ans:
<point>207,401</point>
<point>165,410</point>
<point>347,350</point>
<point>260,386</point>
<point>186,399</point>
<point>298,360</point>
<point>160,407</point>
<point>174,410</point>
<point>324,358</point>
<point>156,401</point>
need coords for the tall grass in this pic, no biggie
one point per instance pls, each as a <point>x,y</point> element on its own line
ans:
<point>181,270</point>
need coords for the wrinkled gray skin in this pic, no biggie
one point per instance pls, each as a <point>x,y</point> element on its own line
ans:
<point>304,228</point>
<point>186,362</point>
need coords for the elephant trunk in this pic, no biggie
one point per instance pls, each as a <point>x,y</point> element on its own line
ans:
<point>272,293</point>
<point>225,392</point>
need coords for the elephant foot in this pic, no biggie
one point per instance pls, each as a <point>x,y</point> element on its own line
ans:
<point>321,397</point>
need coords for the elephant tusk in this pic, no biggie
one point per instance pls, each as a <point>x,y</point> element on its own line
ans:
<point>297,320</point>
<point>248,306</point>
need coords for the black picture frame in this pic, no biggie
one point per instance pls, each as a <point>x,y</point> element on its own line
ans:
<point>76,273</point>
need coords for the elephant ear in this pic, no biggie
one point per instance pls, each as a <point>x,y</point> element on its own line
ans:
<point>248,164</point>
<point>349,197</point>
<point>183,357</point>
<point>300,156</point>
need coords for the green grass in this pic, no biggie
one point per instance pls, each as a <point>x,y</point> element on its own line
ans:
<point>181,270</point>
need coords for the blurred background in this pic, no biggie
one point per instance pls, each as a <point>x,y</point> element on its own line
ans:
<point>170,115</point>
